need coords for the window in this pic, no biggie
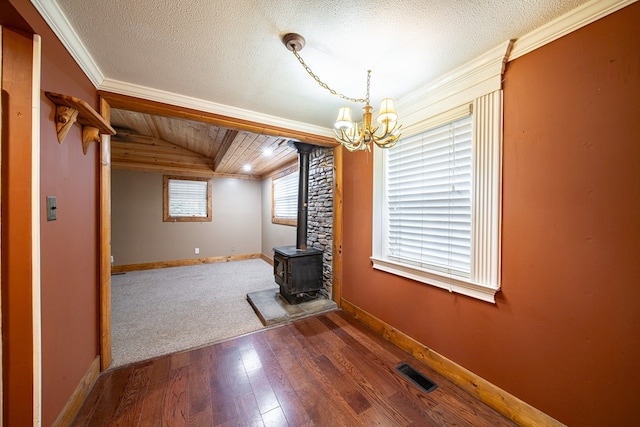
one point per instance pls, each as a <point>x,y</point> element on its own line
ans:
<point>428,195</point>
<point>284,192</point>
<point>186,199</point>
<point>437,201</point>
<point>451,237</point>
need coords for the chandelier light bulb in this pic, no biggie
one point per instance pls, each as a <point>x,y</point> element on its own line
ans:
<point>387,112</point>
<point>344,118</point>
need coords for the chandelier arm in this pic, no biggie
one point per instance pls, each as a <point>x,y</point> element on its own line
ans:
<point>349,140</point>
<point>389,139</point>
<point>325,86</point>
<point>389,131</point>
<point>387,144</point>
<point>342,136</point>
<point>351,144</point>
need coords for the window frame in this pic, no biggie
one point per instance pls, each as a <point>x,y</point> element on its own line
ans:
<point>166,217</point>
<point>478,84</point>
<point>484,279</point>
<point>290,221</point>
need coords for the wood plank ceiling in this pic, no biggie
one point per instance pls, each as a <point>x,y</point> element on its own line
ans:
<point>156,143</point>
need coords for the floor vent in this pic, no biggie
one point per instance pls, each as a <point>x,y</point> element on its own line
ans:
<point>416,377</point>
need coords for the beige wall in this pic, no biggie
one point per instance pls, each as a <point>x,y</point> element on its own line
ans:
<point>140,236</point>
<point>273,235</point>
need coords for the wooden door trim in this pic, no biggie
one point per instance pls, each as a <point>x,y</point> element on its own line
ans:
<point>127,102</point>
<point>35,231</point>
<point>105,241</point>
<point>1,333</point>
<point>337,226</point>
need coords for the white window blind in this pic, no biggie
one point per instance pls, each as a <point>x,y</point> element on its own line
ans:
<point>428,196</point>
<point>187,198</point>
<point>285,196</point>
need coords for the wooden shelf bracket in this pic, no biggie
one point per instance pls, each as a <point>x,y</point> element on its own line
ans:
<point>69,110</point>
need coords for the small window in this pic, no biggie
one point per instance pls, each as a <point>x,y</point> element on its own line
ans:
<point>284,193</point>
<point>186,199</point>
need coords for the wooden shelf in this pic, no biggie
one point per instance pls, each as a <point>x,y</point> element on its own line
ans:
<point>69,110</point>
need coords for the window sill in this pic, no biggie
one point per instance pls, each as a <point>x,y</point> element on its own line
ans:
<point>284,221</point>
<point>440,280</point>
<point>186,219</point>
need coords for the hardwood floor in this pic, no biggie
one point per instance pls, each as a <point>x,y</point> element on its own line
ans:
<point>326,370</point>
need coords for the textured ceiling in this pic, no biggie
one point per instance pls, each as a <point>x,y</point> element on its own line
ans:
<point>230,52</point>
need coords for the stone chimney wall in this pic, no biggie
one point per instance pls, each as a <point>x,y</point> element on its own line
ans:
<point>320,222</point>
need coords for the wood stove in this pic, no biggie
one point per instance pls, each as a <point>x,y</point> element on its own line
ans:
<point>298,272</point>
<point>298,269</point>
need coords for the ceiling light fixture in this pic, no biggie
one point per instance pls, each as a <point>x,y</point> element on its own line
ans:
<point>352,135</point>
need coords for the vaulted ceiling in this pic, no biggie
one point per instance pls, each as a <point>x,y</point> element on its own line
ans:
<point>157,143</point>
<point>225,58</point>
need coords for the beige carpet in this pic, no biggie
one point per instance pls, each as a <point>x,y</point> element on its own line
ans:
<point>155,312</point>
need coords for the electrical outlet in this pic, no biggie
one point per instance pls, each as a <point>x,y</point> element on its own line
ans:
<point>197,251</point>
<point>52,206</point>
<point>111,259</point>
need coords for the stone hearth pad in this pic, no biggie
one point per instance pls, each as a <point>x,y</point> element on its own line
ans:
<point>272,309</point>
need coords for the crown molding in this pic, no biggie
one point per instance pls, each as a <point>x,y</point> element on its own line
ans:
<point>484,74</point>
<point>565,24</point>
<point>476,78</point>
<point>56,19</point>
<point>58,22</point>
<point>151,94</point>
<point>464,84</point>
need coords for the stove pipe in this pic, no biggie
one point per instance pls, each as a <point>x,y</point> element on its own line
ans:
<point>303,193</point>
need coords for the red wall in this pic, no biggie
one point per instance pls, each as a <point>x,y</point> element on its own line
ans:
<point>564,335</point>
<point>69,246</point>
<point>17,272</point>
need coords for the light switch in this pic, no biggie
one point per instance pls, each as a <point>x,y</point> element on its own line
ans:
<point>52,206</point>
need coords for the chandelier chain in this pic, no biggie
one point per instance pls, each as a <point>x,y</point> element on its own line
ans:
<point>325,86</point>
<point>354,135</point>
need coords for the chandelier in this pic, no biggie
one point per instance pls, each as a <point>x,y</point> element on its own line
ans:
<point>352,135</point>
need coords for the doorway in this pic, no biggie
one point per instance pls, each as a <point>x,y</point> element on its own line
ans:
<point>111,102</point>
